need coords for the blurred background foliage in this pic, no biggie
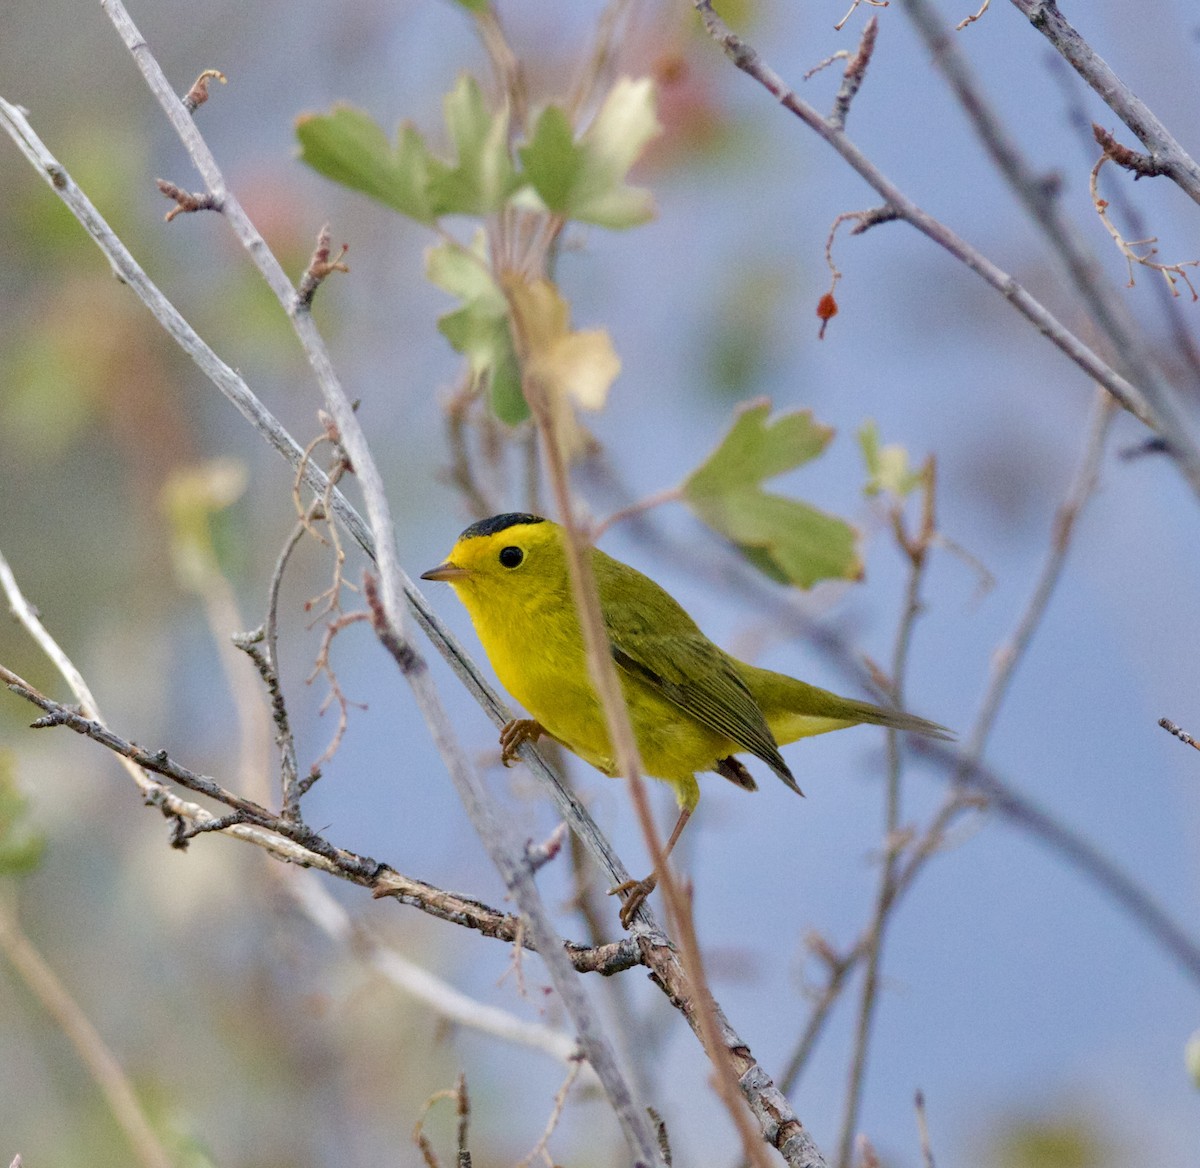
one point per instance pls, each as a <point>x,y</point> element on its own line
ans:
<point>1044,1029</point>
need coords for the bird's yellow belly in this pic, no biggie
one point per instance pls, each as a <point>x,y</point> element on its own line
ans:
<point>551,682</point>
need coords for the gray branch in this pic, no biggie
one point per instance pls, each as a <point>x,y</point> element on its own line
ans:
<point>1168,156</point>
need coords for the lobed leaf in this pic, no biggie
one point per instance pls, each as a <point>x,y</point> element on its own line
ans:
<point>349,147</point>
<point>788,540</point>
<point>480,329</point>
<point>585,179</point>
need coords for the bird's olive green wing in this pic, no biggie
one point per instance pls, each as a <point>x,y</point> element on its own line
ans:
<point>655,640</point>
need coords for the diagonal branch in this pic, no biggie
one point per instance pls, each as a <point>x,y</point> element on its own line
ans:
<point>1133,398</point>
<point>1039,196</point>
<point>1167,155</point>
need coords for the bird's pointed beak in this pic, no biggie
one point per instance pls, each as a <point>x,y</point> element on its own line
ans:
<point>448,572</point>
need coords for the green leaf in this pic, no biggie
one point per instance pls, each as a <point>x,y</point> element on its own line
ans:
<point>21,847</point>
<point>480,328</point>
<point>484,175</point>
<point>790,541</point>
<point>585,179</point>
<point>475,6</point>
<point>552,161</point>
<point>348,146</point>
<point>888,466</point>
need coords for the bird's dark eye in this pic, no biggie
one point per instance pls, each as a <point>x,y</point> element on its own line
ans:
<point>511,557</point>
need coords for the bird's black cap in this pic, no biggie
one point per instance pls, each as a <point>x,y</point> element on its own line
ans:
<point>498,523</point>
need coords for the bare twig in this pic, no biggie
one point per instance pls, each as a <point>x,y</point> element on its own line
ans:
<point>462,1109</point>
<point>1171,307</point>
<point>43,983</point>
<point>296,843</point>
<point>841,24</point>
<point>923,1130</point>
<point>198,94</point>
<point>1168,155</point>
<point>840,55</point>
<point>560,1101</point>
<point>827,307</point>
<point>976,15</point>
<point>745,57</point>
<point>1172,273</point>
<point>1179,733</point>
<point>854,75</point>
<point>1038,194</point>
<point>266,661</point>
<point>539,855</point>
<point>186,202</point>
<point>916,547</point>
<point>320,267</point>
<point>668,495</point>
<point>1007,656</point>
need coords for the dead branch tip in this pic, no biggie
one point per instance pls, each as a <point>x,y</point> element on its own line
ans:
<point>319,267</point>
<point>198,94</point>
<point>186,202</point>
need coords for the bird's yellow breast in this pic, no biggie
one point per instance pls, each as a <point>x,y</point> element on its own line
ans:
<point>537,651</point>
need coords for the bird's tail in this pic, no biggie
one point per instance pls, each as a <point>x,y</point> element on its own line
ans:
<point>794,709</point>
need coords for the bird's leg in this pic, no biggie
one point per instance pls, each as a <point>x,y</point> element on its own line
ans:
<point>516,732</point>
<point>636,891</point>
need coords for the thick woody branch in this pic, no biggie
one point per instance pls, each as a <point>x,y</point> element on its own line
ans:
<point>309,849</point>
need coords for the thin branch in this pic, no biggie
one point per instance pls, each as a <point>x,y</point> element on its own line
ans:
<point>1179,733</point>
<point>746,58</point>
<point>916,548</point>
<point>297,844</point>
<point>186,202</point>
<point>1008,656</point>
<point>1172,273</point>
<point>923,1130</point>
<point>43,983</point>
<point>1038,194</point>
<point>393,582</point>
<point>198,94</point>
<point>350,432</point>
<point>1180,323</point>
<point>560,1101</point>
<point>449,1003</point>
<point>1168,155</point>
<point>854,74</point>
<point>603,673</point>
<point>321,266</point>
<point>854,6</point>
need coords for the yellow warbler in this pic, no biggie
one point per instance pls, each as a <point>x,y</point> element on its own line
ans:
<point>692,706</point>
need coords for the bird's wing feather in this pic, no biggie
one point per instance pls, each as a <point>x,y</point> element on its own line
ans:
<point>655,640</point>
